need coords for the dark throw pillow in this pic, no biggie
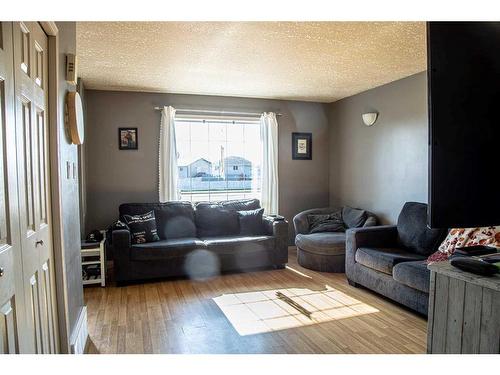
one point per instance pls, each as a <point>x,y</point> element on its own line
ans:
<point>251,222</point>
<point>175,220</point>
<point>142,227</point>
<point>241,204</point>
<point>353,217</point>
<point>326,222</point>
<point>213,220</point>
<point>413,233</point>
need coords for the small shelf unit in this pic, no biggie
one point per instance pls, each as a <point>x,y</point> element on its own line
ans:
<point>94,257</point>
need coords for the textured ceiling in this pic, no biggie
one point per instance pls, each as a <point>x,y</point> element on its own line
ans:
<point>313,61</point>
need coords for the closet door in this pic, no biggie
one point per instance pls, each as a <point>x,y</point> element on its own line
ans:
<point>31,87</point>
<point>11,288</point>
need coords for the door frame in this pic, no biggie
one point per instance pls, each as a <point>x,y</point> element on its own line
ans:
<point>63,341</point>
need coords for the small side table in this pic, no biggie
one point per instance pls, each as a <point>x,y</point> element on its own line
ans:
<point>94,256</point>
<point>464,311</point>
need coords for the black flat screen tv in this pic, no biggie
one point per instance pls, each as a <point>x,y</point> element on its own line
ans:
<point>464,123</point>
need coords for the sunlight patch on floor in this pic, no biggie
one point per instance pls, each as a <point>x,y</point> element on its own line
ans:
<point>259,312</point>
<point>298,272</point>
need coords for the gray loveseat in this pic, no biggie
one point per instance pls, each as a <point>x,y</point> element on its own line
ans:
<point>391,259</point>
<point>325,251</point>
<point>196,237</point>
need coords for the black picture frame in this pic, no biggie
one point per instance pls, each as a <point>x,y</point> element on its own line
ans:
<point>133,139</point>
<point>302,146</point>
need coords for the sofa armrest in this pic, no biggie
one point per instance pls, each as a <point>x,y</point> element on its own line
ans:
<point>279,230</point>
<point>276,228</point>
<point>121,243</point>
<point>378,236</point>
<point>121,254</point>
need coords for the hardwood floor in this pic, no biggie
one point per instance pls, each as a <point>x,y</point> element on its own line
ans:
<point>186,316</point>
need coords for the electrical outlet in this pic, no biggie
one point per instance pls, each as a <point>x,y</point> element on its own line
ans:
<point>68,170</point>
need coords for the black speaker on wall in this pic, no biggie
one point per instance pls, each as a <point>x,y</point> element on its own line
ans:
<point>464,123</point>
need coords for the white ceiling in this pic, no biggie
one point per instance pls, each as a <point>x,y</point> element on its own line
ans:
<point>312,61</point>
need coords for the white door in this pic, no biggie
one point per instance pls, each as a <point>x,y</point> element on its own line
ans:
<point>11,289</point>
<point>30,45</point>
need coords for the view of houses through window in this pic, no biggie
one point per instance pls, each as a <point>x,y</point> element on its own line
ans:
<point>218,159</point>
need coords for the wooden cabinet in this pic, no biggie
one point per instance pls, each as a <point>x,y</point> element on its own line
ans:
<point>464,311</point>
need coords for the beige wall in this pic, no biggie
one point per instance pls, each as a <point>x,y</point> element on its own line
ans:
<point>115,177</point>
<point>380,167</point>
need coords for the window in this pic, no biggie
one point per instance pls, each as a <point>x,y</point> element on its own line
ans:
<point>218,159</point>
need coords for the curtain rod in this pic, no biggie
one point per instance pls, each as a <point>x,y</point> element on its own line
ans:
<point>217,112</point>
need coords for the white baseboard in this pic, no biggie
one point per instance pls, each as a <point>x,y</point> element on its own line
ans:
<point>80,335</point>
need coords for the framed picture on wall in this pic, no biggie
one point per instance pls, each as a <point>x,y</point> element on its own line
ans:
<point>127,138</point>
<point>301,146</point>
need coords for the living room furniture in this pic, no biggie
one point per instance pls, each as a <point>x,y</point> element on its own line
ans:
<point>391,259</point>
<point>93,262</point>
<point>325,251</point>
<point>464,311</point>
<point>197,236</point>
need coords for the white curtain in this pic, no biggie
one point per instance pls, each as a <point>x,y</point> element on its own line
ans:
<point>168,157</point>
<point>269,137</point>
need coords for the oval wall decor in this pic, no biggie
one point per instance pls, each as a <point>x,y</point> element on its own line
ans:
<point>74,118</point>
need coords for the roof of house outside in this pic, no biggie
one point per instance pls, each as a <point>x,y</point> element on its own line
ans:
<point>200,159</point>
<point>236,160</point>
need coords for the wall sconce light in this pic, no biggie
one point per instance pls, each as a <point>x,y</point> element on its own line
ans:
<point>370,118</point>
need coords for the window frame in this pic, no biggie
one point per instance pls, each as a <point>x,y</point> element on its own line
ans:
<point>223,119</point>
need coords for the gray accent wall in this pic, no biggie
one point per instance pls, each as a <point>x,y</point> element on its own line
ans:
<point>115,177</point>
<point>379,168</point>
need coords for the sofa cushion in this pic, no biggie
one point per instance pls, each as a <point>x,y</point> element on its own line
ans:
<point>326,222</point>
<point>165,249</point>
<point>413,233</point>
<point>212,219</point>
<point>413,274</point>
<point>250,222</point>
<point>231,244</point>
<point>384,259</point>
<point>241,205</point>
<point>325,243</point>
<point>142,227</point>
<point>353,217</point>
<point>173,219</point>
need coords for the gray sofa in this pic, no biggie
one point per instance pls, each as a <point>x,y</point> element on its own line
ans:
<point>325,251</point>
<point>391,259</point>
<point>204,237</point>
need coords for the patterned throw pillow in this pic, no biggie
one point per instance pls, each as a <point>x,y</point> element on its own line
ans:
<point>326,222</point>
<point>142,227</point>
<point>464,237</point>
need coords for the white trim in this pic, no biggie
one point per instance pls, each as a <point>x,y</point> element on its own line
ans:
<point>49,27</point>
<point>80,336</point>
<point>59,264</point>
